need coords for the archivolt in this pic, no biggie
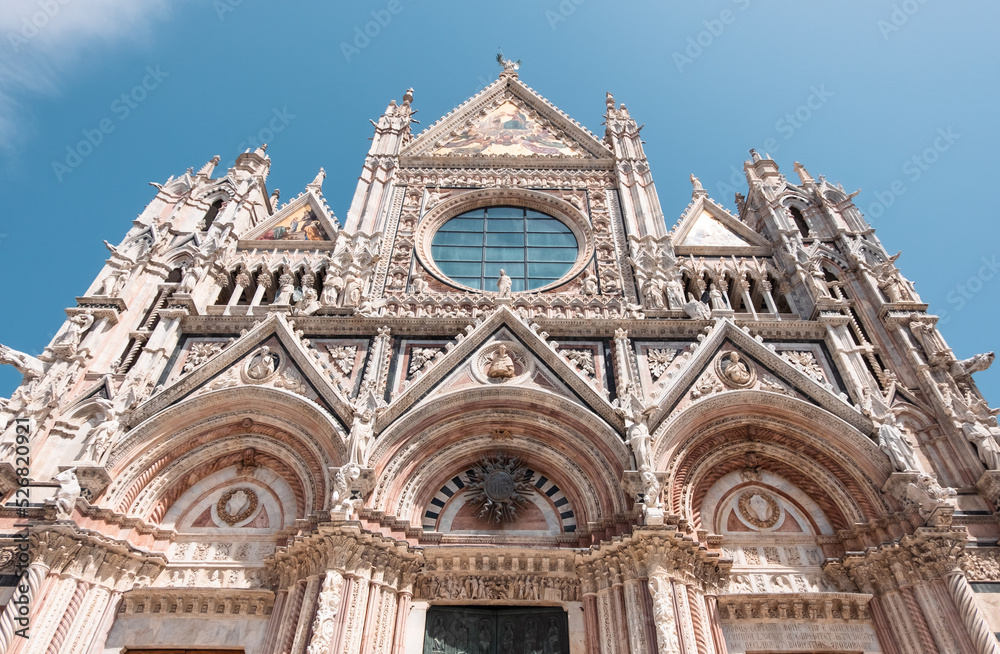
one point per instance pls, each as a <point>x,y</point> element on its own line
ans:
<point>422,450</point>
<point>836,465</point>
<point>170,451</point>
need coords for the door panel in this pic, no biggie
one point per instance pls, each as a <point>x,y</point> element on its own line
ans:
<point>496,630</point>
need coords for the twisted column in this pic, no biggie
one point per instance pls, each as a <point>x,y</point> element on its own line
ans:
<point>923,631</point>
<point>982,638</point>
<point>67,619</point>
<point>32,577</point>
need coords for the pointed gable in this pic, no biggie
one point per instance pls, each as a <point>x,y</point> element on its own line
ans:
<point>507,119</point>
<point>699,376</point>
<point>294,368</point>
<point>508,129</point>
<point>707,228</point>
<point>305,221</point>
<point>465,364</point>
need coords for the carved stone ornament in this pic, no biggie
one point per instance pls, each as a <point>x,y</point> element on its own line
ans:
<point>658,359</point>
<point>343,358</point>
<point>498,486</point>
<point>806,361</point>
<point>502,363</point>
<point>261,366</point>
<point>236,505</point>
<point>759,509</point>
<point>734,371</point>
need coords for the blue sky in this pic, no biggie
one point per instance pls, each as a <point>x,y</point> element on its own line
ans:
<point>895,98</point>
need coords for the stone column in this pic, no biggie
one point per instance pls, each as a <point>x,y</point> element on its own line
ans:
<point>286,633</point>
<point>107,620</point>
<point>44,623</point>
<point>982,638</point>
<point>263,283</point>
<point>621,617</point>
<point>88,619</point>
<point>242,282</point>
<point>355,609</point>
<point>702,632</point>
<point>955,624</point>
<point>608,636</point>
<point>371,616</point>
<point>590,617</point>
<point>32,578</point>
<point>399,628</point>
<point>935,613</point>
<point>274,624</point>
<point>637,618</point>
<point>324,627</point>
<point>664,614</point>
<point>47,636</point>
<point>383,634</point>
<point>883,630</point>
<point>714,624</point>
<point>305,617</point>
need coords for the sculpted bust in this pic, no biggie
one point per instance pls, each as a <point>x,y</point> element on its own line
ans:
<point>501,366</point>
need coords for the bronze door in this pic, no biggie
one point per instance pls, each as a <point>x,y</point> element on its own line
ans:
<point>496,630</point>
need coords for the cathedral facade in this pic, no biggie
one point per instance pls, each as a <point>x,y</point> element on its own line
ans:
<point>499,408</point>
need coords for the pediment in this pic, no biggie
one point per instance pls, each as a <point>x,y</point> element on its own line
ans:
<point>706,372</point>
<point>304,222</point>
<point>707,228</point>
<point>534,364</point>
<point>286,363</point>
<point>507,120</point>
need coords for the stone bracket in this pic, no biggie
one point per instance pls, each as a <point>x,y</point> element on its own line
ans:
<point>93,480</point>
<point>989,486</point>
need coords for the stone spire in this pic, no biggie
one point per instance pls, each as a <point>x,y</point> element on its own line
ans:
<point>209,168</point>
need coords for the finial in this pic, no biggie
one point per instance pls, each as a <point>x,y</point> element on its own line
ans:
<point>697,188</point>
<point>317,183</point>
<point>207,169</point>
<point>275,194</point>
<point>609,101</point>
<point>509,67</point>
<point>804,175</point>
<point>408,96</point>
<point>754,156</point>
<point>260,152</point>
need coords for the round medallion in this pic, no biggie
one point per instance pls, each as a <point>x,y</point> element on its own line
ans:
<point>236,505</point>
<point>735,371</point>
<point>759,509</point>
<point>499,485</point>
<point>261,365</point>
<point>502,362</point>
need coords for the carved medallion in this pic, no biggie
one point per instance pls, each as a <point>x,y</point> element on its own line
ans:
<point>502,362</point>
<point>735,371</point>
<point>759,509</point>
<point>261,365</point>
<point>498,486</point>
<point>236,505</point>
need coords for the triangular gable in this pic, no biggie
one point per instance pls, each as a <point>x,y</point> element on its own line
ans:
<point>558,369</point>
<point>304,221</point>
<point>464,376</point>
<point>701,362</point>
<point>507,119</point>
<point>274,326</point>
<point>706,228</point>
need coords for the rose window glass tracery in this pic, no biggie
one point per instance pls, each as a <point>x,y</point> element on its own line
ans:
<point>533,248</point>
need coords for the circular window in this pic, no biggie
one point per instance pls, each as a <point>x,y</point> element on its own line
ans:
<point>532,247</point>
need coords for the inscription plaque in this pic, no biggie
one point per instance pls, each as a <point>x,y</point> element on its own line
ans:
<point>797,637</point>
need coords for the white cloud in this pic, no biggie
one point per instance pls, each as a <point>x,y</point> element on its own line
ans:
<point>44,41</point>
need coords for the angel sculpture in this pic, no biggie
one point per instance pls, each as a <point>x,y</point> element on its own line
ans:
<point>507,65</point>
